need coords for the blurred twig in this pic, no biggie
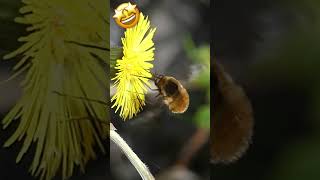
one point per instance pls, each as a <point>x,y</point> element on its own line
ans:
<point>198,139</point>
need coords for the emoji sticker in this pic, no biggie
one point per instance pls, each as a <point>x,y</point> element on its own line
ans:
<point>126,15</point>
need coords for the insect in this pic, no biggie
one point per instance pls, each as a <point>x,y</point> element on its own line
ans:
<point>232,126</point>
<point>175,96</point>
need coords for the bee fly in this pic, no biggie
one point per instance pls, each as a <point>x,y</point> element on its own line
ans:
<point>175,96</point>
<point>232,125</point>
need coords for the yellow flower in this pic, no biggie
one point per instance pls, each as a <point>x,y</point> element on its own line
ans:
<point>54,61</point>
<point>134,69</point>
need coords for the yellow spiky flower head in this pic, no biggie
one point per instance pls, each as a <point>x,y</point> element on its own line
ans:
<point>134,69</point>
<point>55,61</point>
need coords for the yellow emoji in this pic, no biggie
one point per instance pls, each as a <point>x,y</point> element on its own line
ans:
<point>126,15</point>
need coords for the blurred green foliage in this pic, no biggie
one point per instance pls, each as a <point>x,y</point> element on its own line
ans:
<point>200,56</point>
<point>298,161</point>
<point>202,116</point>
<point>295,61</point>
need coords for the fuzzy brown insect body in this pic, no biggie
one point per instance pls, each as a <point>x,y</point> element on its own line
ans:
<point>175,96</point>
<point>232,125</point>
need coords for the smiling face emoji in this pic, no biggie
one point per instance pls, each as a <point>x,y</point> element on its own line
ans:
<point>126,15</point>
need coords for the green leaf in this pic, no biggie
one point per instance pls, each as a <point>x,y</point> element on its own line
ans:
<point>202,117</point>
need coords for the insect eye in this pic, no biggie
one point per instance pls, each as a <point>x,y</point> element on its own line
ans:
<point>171,88</point>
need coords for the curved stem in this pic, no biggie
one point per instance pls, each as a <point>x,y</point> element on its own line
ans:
<point>134,159</point>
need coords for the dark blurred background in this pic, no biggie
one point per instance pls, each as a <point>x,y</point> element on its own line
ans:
<point>9,32</point>
<point>156,135</point>
<point>271,48</point>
